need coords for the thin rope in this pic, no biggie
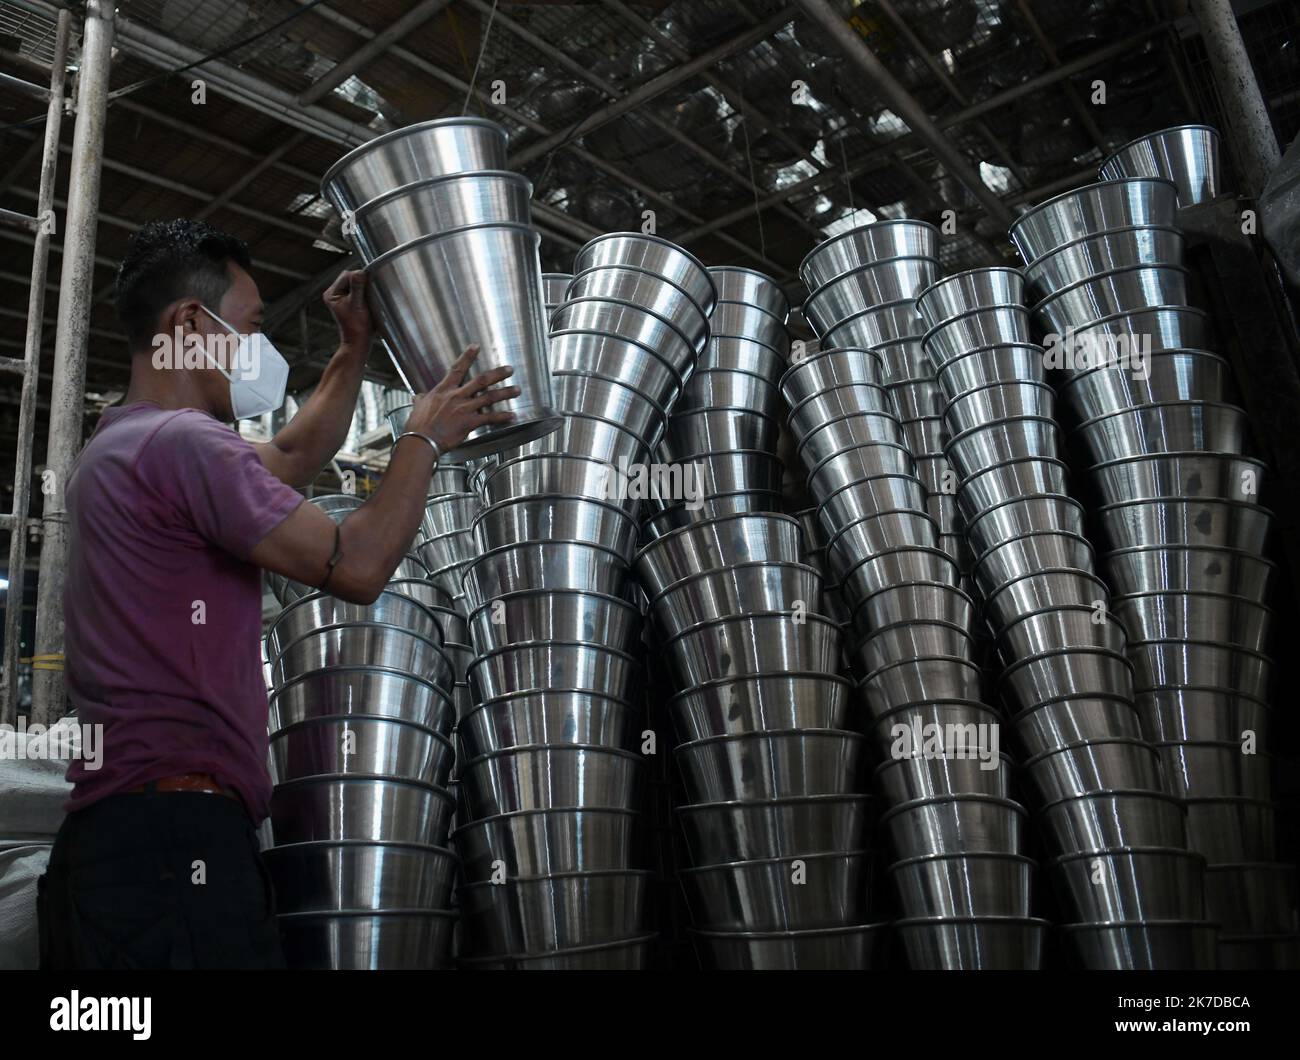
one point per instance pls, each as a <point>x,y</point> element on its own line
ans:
<point>753,183</point>
<point>848,181</point>
<point>487,32</point>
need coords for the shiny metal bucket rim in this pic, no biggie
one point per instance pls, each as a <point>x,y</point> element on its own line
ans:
<point>1184,642</point>
<point>1234,800</point>
<point>348,719</point>
<point>1090,423</point>
<point>397,134</point>
<point>826,855</point>
<point>1078,571</point>
<point>714,498</point>
<point>1140,925</point>
<point>860,481</point>
<point>955,589</point>
<point>1048,203</point>
<point>978,270</point>
<point>590,269</point>
<point>1232,747</point>
<point>830,390</point>
<point>696,526</point>
<point>1189,309</point>
<point>1183,499</point>
<point>566,416</point>
<point>647,350</point>
<point>893,307</point>
<point>1106,274</point>
<point>1182,454</point>
<point>660,240</point>
<point>978,921</point>
<point>1027,498</point>
<point>767,380</point>
<point>982,557</point>
<point>1024,616</point>
<point>919,620</point>
<point>919,705</point>
<point>515,594</point>
<point>868,445</point>
<point>979,351</point>
<point>927,337</point>
<point>1147,793</point>
<point>883,264</point>
<point>694,346</point>
<point>1090,697</point>
<point>529,693</point>
<point>437,646</point>
<point>514,815</point>
<point>580,874</point>
<point>763,734</point>
<point>537,542</point>
<point>360,914</point>
<point>402,191</point>
<point>439,791</point>
<point>773,675</point>
<point>313,597</point>
<point>954,660</point>
<point>996,384</point>
<point>388,256</point>
<point>702,410</point>
<point>1104,233</point>
<point>358,668</point>
<point>561,952</point>
<point>927,549</point>
<point>847,527</point>
<point>808,616</point>
<point>1003,422</point>
<point>497,506</point>
<point>710,454</point>
<point>575,373</point>
<point>857,229</point>
<point>1024,660</point>
<point>1151,136</point>
<point>794,935</point>
<point>954,797</point>
<point>529,748</point>
<point>700,575</point>
<point>1016,460</point>
<point>782,800</point>
<point>748,305</point>
<point>870,351</point>
<point>958,316</point>
<point>1005,761</point>
<point>356,844</point>
<point>1236,598</point>
<point>1121,851</point>
<point>802,443</point>
<point>1075,745</point>
<point>981,855</point>
<point>1234,553</point>
<point>531,645</point>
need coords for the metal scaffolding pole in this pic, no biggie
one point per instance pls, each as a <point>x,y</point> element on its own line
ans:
<point>1245,116</point>
<point>17,518</point>
<point>67,394</point>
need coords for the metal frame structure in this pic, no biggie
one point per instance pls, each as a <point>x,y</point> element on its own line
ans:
<point>314,113</point>
<point>41,225</point>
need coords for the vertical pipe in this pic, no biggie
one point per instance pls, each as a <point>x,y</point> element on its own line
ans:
<point>1245,117</point>
<point>13,630</point>
<point>67,394</point>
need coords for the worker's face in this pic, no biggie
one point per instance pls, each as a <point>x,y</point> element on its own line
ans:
<point>240,307</point>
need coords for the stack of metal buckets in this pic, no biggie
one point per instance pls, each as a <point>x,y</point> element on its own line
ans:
<point>1150,407</point>
<point>360,717</point>
<point>773,814</point>
<point>552,787</point>
<point>445,233</point>
<point>962,883</point>
<point>723,430</point>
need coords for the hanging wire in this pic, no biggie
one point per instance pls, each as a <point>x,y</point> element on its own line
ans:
<point>848,180</point>
<point>487,33</point>
<point>753,183</point>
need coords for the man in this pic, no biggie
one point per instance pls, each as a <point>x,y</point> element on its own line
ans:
<point>172,515</point>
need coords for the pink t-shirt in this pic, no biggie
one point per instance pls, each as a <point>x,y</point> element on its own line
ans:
<point>163,611</point>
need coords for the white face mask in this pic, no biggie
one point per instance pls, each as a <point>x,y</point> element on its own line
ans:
<point>258,373</point>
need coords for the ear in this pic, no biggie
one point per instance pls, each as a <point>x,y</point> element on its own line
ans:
<point>188,315</point>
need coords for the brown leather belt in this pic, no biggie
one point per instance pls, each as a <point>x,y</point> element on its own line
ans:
<point>201,782</point>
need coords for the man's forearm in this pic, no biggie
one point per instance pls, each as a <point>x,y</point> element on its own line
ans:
<point>309,441</point>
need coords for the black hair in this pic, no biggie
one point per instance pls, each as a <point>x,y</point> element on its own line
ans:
<point>169,260</point>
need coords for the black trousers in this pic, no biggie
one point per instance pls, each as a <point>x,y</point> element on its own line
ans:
<point>158,881</point>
